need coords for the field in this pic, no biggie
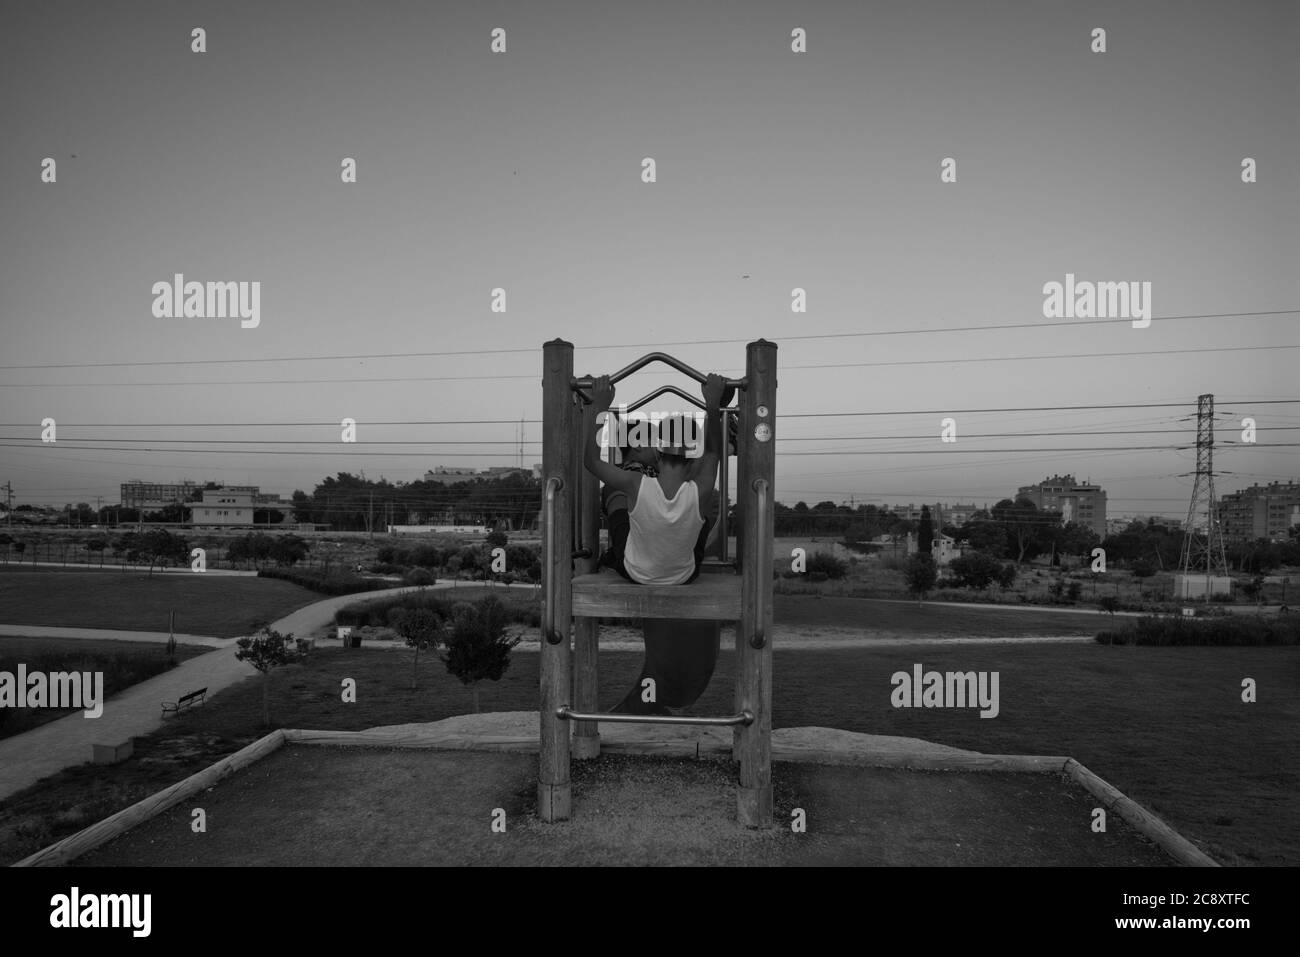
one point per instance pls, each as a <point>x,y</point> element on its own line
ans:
<point>1165,725</point>
<point>220,607</point>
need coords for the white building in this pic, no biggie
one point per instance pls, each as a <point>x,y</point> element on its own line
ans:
<point>224,506</point>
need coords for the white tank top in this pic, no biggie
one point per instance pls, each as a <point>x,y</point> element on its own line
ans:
<point>660,546</point>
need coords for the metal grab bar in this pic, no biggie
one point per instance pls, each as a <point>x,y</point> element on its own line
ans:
<point>586,381</point>
<point>759,638</point>
<point>553,486</point>
<point>565,713</point>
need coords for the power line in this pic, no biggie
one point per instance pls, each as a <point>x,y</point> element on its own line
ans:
<point>331,380</point>
<point>782,415</point>
<point>643,345</point>
<point>362,452</point>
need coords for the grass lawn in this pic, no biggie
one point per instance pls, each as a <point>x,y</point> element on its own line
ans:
<point>1165,725</point>
<point>219,606</point>
<point>931,620</point>
<point>123,663</point>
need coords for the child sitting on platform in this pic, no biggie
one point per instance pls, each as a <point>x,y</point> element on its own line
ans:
<point>659,525</point>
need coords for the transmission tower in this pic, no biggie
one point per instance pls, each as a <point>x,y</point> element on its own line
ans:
<point>1203,512</point>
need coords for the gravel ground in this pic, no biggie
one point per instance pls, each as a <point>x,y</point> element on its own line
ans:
<point>323,806</point>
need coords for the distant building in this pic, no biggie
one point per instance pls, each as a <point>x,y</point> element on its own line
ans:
<point>1261,511</point>
<point>233,505</point>
<point>151,496</point>
<point>1080,502</point>
<point>943,549</point>
<point>450,474</point>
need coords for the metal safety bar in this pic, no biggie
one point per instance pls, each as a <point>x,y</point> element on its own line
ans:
<point>553,486</point>
<point>565,713</point>
<point>759,638</point>
<point>586,381</point>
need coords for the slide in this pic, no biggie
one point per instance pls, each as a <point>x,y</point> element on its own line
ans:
<point>680,655</point>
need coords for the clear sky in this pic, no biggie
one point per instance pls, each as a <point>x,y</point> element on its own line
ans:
<point>522,170</point>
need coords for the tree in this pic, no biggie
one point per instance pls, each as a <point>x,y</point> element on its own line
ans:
<point>289,549</point>
<point>1108,604</point>
<point>925,532</point>
<point>921,574</point>
<point>160,547</point>
<point>975,570</point>
<point>420,628</point>
<point>477,648</point>
<point>497,538</point>
<point>266,651</point>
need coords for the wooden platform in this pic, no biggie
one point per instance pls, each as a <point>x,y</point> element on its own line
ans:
<point>607,595</point>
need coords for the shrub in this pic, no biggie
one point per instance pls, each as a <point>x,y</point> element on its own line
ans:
<point>1007,575</point>
<point>317,581</point>
<point>817,576</point>
<point>1229,630</point>
<point>497,538</point>
<point>426,556</point>
<point>921,574</point>
<point>419,576</point>
<point>976,570</point>
<point>265,651</point>
<point>1076,588</point>
<point>386,555</point>
<point>477,648</point>
<point>828,565</point>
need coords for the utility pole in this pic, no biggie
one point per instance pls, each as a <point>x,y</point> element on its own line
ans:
<point>371,518</point>
<point>9,504</point>
<point>1203,504</point>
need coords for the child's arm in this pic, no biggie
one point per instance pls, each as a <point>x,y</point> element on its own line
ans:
<point>705,470</point>
<point>602,395</point>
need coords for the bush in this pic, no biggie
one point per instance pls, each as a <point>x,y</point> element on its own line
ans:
<point>1141,568</point>
<point>426,556</point>
<point>1229,630</point>
<point>1007,576</point>
<point>817,576</point>
<point>1076,588</point>
<point>976,570</point>
<point>497,539</point>
<point>334,584</point>
<point>387,555</point>
<point>477,648</point>
<point>921,574</point>
<point>826,564</point>
<point>419,576</point>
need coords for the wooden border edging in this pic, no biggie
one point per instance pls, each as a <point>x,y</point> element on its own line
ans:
<point>89,838</point>
<point>1179,847</point>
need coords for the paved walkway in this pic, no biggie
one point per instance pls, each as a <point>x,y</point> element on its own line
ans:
<point>28,757</point>
<point>105,634</point>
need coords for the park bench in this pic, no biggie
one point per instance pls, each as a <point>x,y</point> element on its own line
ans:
<point>183,702</point>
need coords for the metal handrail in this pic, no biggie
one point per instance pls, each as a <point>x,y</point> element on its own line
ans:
<point>586,381</point>
<point>565,713</point>
<point>666,390</point>
<point>759,638</point>
<point>553,486</point>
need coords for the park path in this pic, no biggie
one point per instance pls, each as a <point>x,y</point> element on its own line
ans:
<point>26,758</point>
<point>106,634</point>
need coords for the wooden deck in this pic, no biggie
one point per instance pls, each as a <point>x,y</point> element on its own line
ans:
<point>607,595</point>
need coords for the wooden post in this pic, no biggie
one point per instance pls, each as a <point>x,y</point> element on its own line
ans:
<point>554,791</point>
<point>586,631</point>
<point>754,665</point>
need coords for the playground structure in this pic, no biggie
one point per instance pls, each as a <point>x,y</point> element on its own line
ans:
<point>575,596</point>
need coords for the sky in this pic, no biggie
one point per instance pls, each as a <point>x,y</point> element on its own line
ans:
<point>775,170</point>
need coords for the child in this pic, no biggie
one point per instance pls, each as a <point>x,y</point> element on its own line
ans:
<point>659,524</point>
